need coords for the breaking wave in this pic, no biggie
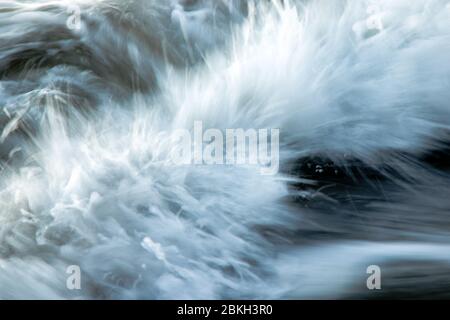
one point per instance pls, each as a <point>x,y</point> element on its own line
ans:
<point>87,115</point>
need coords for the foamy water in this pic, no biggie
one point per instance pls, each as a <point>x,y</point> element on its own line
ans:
<point>360,95</point>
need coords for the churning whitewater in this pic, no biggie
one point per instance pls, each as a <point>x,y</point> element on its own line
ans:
<point>92,91</point>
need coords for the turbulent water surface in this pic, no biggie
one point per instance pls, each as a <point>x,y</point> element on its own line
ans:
<point>360,91</point>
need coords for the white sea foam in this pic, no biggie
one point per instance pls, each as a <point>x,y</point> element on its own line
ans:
<point>93,110</point>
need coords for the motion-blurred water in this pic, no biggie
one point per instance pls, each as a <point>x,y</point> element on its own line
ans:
<point>359,91</point>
